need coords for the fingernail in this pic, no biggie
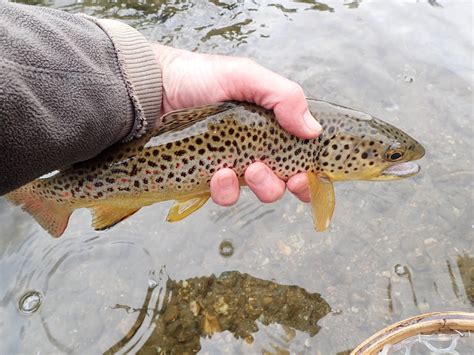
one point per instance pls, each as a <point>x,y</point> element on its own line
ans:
<point>259,177</point>
<point>225,182</point>
<point>311,122</point>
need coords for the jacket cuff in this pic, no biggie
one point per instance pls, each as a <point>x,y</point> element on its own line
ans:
<point>140,71</point>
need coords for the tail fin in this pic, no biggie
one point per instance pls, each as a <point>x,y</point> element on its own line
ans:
<point>51,215</point>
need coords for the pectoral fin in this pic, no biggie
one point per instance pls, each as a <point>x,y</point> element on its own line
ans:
<point>322,200</point>
<point>106,216</point>
<point>184,207</point>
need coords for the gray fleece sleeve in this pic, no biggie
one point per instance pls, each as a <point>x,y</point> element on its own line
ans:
<point>70,86</point>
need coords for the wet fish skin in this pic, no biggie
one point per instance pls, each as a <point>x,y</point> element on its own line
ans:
<point>177,161</point>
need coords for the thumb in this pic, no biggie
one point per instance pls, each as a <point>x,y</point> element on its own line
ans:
<point>293,115</point>
<point>248,81</point>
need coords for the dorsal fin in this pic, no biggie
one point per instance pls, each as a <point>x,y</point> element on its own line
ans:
<point>180,119</point>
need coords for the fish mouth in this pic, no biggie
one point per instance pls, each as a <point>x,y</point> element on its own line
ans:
<point>402,170</point>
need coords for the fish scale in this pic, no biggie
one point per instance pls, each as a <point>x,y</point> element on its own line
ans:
<point>177,160</point>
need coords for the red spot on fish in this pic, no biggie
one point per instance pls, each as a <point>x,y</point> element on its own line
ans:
<point>65,194</point>
<point>89,187</point>
<point>178,165</point>
<point>148,172</point>
<point>124,180</point>
<point>209,158</point>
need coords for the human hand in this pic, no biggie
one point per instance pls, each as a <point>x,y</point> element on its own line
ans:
<point>194,79</point>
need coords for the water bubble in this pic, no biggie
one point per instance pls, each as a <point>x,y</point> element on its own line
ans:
<point>401,270</point>
<point>152,283</point>
<point>30,302</point>
<point>226,248</point>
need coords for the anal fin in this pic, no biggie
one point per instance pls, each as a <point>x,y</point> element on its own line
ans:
<point>322,200</point>
<point>185,206</point>
<point>106,216</point>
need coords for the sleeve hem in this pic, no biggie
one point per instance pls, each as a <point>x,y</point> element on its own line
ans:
<point>143,81</point>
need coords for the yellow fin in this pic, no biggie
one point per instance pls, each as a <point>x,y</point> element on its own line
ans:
<point>106,216</point>
<point>185,206</point>
<point>322,200</point>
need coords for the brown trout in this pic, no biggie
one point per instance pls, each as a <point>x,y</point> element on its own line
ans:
<point>177,160</point>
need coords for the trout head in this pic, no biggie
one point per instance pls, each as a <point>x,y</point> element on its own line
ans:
<point>358,146</point>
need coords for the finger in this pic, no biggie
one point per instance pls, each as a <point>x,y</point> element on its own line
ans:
<point>225,188</point>
<point>293,114</point>
<point>248,81</point>
<point>264,183</point>
<point>299,186</point>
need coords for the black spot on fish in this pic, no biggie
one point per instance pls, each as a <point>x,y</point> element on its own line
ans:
<point>211,148</point>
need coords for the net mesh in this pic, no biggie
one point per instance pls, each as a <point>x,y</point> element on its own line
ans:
<point>449,343</point>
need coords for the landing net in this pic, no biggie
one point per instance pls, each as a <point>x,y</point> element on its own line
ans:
<point>431,333</point>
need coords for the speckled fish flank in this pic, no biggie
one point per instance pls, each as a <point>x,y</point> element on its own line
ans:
<point>177,160</point>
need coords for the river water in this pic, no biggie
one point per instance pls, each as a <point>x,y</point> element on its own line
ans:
<point>257,278</point>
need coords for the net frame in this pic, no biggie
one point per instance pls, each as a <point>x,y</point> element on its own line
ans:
<point>428,323</point>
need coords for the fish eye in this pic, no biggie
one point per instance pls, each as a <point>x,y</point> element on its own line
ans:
<point>394,154</point>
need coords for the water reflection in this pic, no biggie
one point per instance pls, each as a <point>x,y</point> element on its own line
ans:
<point>461,280</point>
<point>315,5</point>
<point>466,269</point>
<point>187,311</point>
<point>352,4</point>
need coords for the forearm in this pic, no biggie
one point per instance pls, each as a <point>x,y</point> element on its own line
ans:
<point>69,88</point>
